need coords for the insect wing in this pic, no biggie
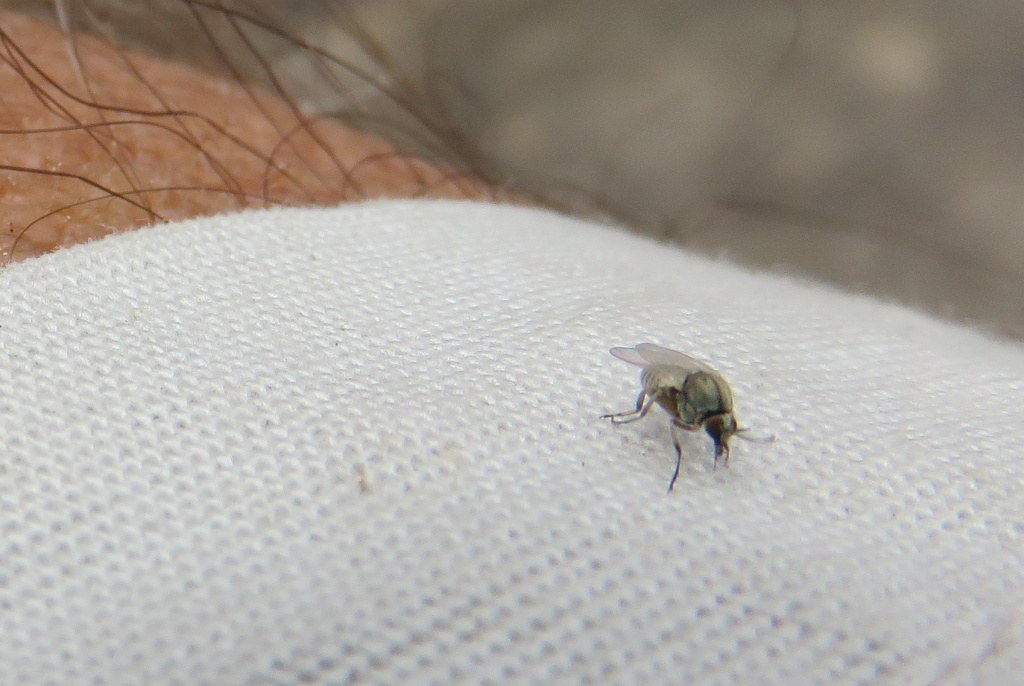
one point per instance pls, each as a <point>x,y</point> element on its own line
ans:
<point>629,355</point>
<point>657,356</point>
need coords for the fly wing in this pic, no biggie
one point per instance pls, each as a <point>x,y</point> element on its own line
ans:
<point>656,355</point>
<point>629,355</point>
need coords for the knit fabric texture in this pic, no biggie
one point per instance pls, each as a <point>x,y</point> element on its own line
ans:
<point>363,445</point>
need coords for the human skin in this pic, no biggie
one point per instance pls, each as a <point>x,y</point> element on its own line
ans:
<point>110,139</point>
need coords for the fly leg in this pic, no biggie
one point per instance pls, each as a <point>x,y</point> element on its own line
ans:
<point>721,450</point>
<point>678,424</point>
<point>644,403</point>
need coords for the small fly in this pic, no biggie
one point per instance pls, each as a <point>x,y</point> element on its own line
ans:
<point>693,394</point>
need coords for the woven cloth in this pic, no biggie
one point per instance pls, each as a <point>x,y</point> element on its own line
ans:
<point>362,446</point>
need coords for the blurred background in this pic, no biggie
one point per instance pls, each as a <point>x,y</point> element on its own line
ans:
<point>875,146</point>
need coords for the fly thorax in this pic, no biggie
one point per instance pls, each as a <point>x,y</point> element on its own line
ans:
<point>702,397</point>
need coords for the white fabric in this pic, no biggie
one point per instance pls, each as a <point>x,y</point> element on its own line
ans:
<point>363,445</point>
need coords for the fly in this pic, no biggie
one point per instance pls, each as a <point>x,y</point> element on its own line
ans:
<point>692,393</point>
